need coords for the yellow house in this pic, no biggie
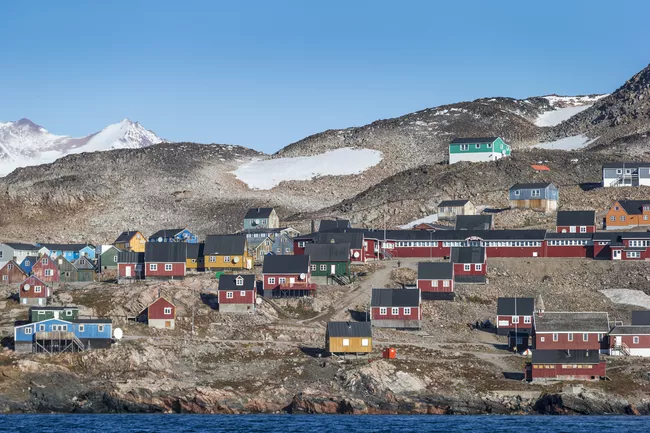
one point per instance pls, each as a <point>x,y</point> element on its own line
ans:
<point>195,257</point>
<point>131,241</point>
<point>227,252</point>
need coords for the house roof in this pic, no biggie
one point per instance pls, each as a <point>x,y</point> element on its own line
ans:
<point>473,222</point>
<point>229,282</point>
<point>538,185</point>
<point>125,236</point>
<point>552,235</point>
<point>258,212</point>
<point>130,257</point>
<point>326,225</point>
<point>518,306</point>
<point>452,203</point>
<point>576,218</point>
<point>286,264</point>
<point>22,247</point>
<point>162,299</point>
<point>165,233</point>
<point>445,235</point>
<point>467,254</point>
<point>626,164</point>
<point>572,322</point>
<point>328,252</point>
<point>633,207</point>
<point>88,264</point>
<point>435,271</point>
<point>171,252</point>
<point>631,330</point>
<point>353,239</point>
<point>349,329</point>
<point>641,317</point>
<point>566,357</point>
<point>474,140</point>
<point>395,298</point>
<point>32,259</point>
<point>65,247</point>
<point>35,278</point>
<point>195,251</point>
<point>225,245</point>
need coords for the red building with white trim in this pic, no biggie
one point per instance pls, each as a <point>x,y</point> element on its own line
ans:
<point>549,365</point>
<point>575,221</point>
<point>165,260</point>
<point>396,308</point>
<point>46,270</point>
<point>287,276</point>
<point>436,280</point>
<point>12,273</point>
<point>161,314</point>
<point>572,331</point>
<point>470,265</point>
<point>34,291</point>
<point>237,293</point>
<point>515,314</point>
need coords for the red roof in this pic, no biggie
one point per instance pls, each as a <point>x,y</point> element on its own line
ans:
<point>540,167</point>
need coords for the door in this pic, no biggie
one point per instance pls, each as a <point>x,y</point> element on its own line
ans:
<point>619,341</point>
<point>332,269</point>
<point>128,272</point>
<point>617,254</point>
<point>291,281</point>
<point>168,324</point>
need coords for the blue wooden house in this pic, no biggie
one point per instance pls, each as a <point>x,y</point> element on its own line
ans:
<point>70,252</point>
<point>174,235</point>
<point>27,264</point>
<point>541,197</point>
<point>261,218</point>
<point>57,335</point>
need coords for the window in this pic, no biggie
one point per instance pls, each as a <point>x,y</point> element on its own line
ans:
<point>583,229</point>
<point>517,192</point>
<point>44,261</point>
<point>37,289</point>
<point>407,311</point>
<point>168,267</point>
<point>645,217</point>
<point>68,312</point>
<point>167,310</point>
<point>635,340</point>
<point>394,311</point>
<point>271,280</point>
<point>193,260</point>
<point>541,339</point>
<point>478,267</point>
<point>346,342</point>
<point>115,259</point>
<point>464,147</point>
<point>467,267</point>
<point>28,331</point>
<point>153,267</point>
<point>81,328</point>
<point>633,254</point>
<point>478,146</point>
<point>229,295</point>
<point>445,283</point>
<point>570,336</point>
<point>287,250</point>
<point>263,221</point>
<point>213,259</point>
<point>619,171</point>
<point>622,217</point>
<point>41,312</point>
<point>323,267</point>
<point>515,319</point>
<point>282,280</point>
<point>41,328</point>
<point>555,337</point>
<point>301,244</point>
<point>585,337</point>
<point>100,328</point>
<point>239,281</point>
<point>600,337</point>
<point>489,145</point>
<point>365,342</point>
<point>535,193</point>
<point>242,293</point>
<point>383,311</point>
<point>313,267</point>
<point>527,319</point>
<point>226,259</point>
<point>612,218</point>
<point>5,277</point>
<point>572,229</point>
<point>49,272</point>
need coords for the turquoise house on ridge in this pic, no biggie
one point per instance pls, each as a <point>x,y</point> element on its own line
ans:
<point>477,149</point>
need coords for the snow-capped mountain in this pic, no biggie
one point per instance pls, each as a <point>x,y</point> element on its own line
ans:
<point>23,143</point>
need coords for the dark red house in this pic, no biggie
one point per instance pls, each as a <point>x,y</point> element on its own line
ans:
<point>284,276</point>
<point>578,245</point>
<point>161,314</point>
<point>469,264</point>
<point>571,331</point>
<point>515,314</point>
<point>33,291</point>
<point>576,221</point>
<point>46,270</point>
<point>565,365</point>
<point>436,280</point>
<point>237,293</point>
<point>396,308</point>
<point>130,266</point>
<point>165,260</point>
<point>11,273</point>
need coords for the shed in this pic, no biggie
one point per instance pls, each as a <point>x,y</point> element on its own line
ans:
<point>348,337</point>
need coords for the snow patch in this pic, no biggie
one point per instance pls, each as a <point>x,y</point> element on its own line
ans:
<point>266,174</point>
<point>430,219</point>
<point>568,143</point>
<point>555,117</point>
<point>628,296</point>
<point>573,100</point>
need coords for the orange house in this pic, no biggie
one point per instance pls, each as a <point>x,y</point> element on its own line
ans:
<point>627,214</point>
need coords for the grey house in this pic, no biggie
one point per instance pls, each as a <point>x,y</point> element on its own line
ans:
<point>541,197</point>
<point>626,174</point>
<point>17,251</point>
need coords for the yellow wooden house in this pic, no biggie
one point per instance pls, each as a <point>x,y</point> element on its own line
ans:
<point>223,252</point>
<point>195,257</point>
<point>348,337</point>
<point>131,241</point>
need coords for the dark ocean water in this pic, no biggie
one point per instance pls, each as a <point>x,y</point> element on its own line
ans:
<point>319,423</point>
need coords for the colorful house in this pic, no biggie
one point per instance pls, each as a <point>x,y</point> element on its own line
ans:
<point>572,331</point>
<point>576,221</point>
<point>541,197</point>
<point>174,235</point>
<point>348,337</point>
<point>46,270</point>
<point>474,222</point>
<point>477,149</point>
<point>627,214</point>
<point>261,217</point>
<point>165,260</point>
<point>631,340</point>
<point>330,263</point>
<point>67,271</point>
<point>264,241</point>
<point>196,257</point>
<point>358,246</point>
<point>227,252</point>
<point>450,209</point>
<point>237,293</point>
<point>286,276</point>
<point>33,291</point>
<point>515,319</point>
<point>37,314</point>
<point>12,273</point>
<point>548,365</point>
<point>17,251</point>
<point>57,335</point>
<point>86,269</point>
<point>160,314</point>
<point>70,252</point>
<point>131,241</point>
<point>130,266</point>
<point>396,308</point>
<point>436,280</point>
<point>107,258</point>
<point>620,174</point>
<point>470,265</point>
<point>27,264</point>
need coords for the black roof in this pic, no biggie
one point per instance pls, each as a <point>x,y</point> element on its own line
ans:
<point>473,140</point>
<point>125,236</point>
<point>572,322</point>
<point>349,329</point>
<point>576,218</point>
<point>229,282</point>
<point>631,330</point>
<point>626,164</point>
<point>435,271</point>
<point>468,254</point>
<point>452,203</point>
<point>522,306</point>
<point>634,235</point>
<point>65,247</point>
<point>258,212</point>
<point>171,252</point>
<point>165,233</point>
<point>538,185</point>
<point>633,207</point>
<point>326,225</point>
<point>195,251</point>
<point>130,257</point>
<point>473,222</point>
<point>566,357</point>
<point>353,239</point>
<point>225,245</point>
<point>21,246</point>
<point>395,298</point>
<point>608,236</point>
<point>641,317</point>
<point>328,252</point>
<point>445,235</point>
<point>285,264</point>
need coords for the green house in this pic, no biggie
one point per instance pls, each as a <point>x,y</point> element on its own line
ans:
<point>69,273</point>
<point>477,149</point>
<point>108,258</point>
<point>36,314</point>
<point>85,269</point>
<point>329,260</point>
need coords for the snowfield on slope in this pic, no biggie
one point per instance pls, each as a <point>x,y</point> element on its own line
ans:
<point>568,143</point>
<point>628,297</point>
<point>565,107</point>
<point>266,174</point>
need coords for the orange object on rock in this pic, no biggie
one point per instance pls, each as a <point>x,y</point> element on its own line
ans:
<point>389,353</point>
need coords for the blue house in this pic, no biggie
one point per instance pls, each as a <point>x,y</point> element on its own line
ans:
<point>57,335</point>
<point>261,218</point>
<point>70,252</point>
<point>27,264</point>
<point>174,235</point>
<point>541,197</point>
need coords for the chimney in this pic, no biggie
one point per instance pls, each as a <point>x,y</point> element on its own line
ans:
<point>313,226</point>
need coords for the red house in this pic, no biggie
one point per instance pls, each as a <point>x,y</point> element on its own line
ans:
<point>630,340</point>
<point>11,273</point>
<point>165,260</point>
<point>576,221</point>
<point>287,276</point>
<point>46,270</point>
<point>579,245</point>
<point>161,314</point>
<point>436,280</point>
<point>469,264</point>
<point>237,293</point>
<point>565,365</point>
<point>515,314</point>
<point>571,331</point>
<point>396,308</point>
<point>33,291</point>
<point>130,266</point>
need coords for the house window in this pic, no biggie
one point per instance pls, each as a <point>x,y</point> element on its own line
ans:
<point>434,283</point>
<point>323,267</point>
<point>68,313</point>
<point>239,281</point>
<point>26,261</point>
<point>242,293</point>
<point>583,229</point>
<point>467,267</point>
<point>541,339</point>
<point>645,217</point>
<point>478,146</point>
<point>445,283</point>
<point>226,259</point>
<point>517,192</point>
<point>600,337</point>
<point>570,336</point>
<point>41,328</point>
<point>193,260</point>
<point>633,254</point>
<point>213,259</point>
<point>271,280</point>
<point>527,319</point>
<point>346,342</point>
<point>478,267</point>
<point>515,319</point>
<point>489,145</point>
<point>394,311</point>
<point>301,244</point>
<point>313,267</point>
<point>535,193</point>
<point>464,147</point>
<point>407,311</point>
<point>365,342</point>
<point>229,295</point>
<point>263,221</point>
<point>572,229</point>
<point>616,208</point>
<point>167,310</point>
<point>153,266</point>
<point>100,328</point>
<point>282,280</point>
<point>279,250</point>
<point>383,311</point>
<point>635,340</point>
<point>619,171</point>
<point>49,272</point>
<point>555,337</point>
<point>622,217</point>
<point>585,337</point>
<point>168,267</point>
<point>37,289</point>
<point>287,250</point>
<point>28,331</point>
<point>81,328</point>
<point>44,261</point>
<point>5,277</point>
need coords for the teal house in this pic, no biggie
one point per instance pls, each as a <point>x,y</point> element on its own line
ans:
<point>477,149</point>
<point>330,263</point>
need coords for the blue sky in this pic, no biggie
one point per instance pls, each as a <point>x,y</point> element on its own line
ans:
<point>266,73</point>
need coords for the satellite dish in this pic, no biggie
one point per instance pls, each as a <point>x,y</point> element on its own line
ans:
<point>257,221</point>
<point>160,239</point>
<point>118,334</point>
<point>235,259</point>
<point>303,276</point>
<point>26,287</point>
<point>356,254</point>
<point>258,301</point>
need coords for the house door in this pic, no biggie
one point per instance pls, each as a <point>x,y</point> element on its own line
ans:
<point>292,281</point>
<point>619,341</point>
<point>332,269</point>
<point>617,254</point>
<point>128,272</point>
<point>168,324</point>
